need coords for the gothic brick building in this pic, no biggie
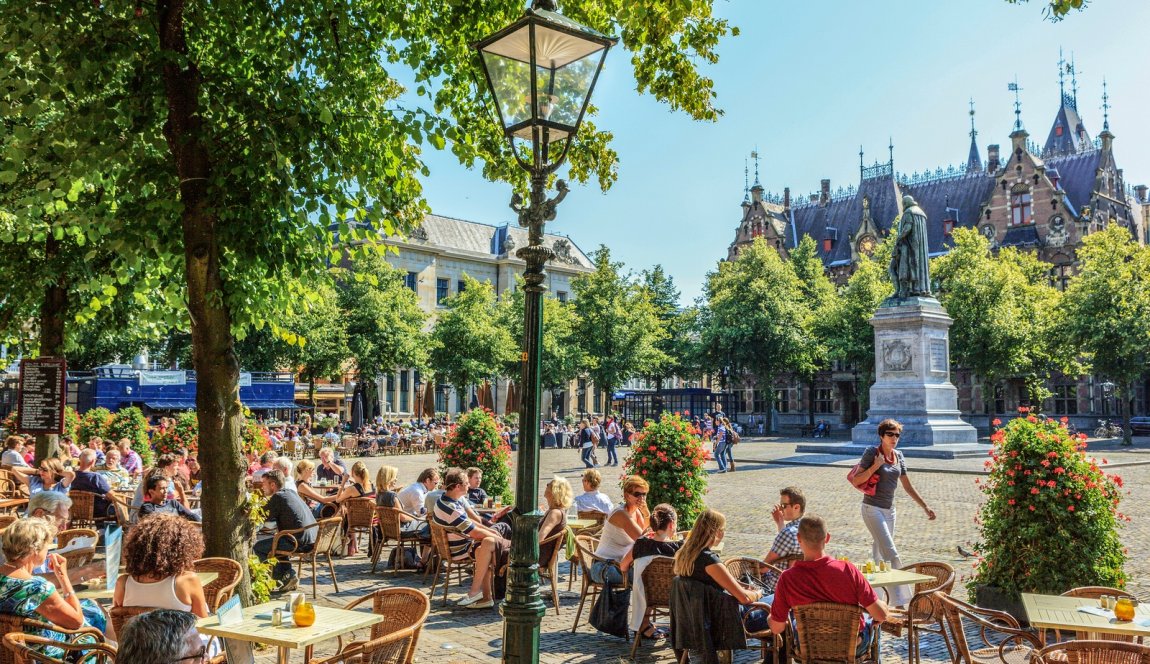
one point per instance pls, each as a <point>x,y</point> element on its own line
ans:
<point>1043,199</point>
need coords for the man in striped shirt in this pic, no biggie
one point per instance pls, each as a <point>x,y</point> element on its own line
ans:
<point>468,539</point>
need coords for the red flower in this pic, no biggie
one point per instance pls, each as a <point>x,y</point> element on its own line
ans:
<point>1059,470</point>
<point>1010,502</point>
<point>1070,508</point>
<point>1032,508</point>
<point>1034,490</point>
<point>996,421</point>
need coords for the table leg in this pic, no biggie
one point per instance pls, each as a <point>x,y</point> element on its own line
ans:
<point>284,655</point>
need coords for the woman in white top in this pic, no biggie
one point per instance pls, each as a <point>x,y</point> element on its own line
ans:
<point>160,554</point>
<point>623,526</point>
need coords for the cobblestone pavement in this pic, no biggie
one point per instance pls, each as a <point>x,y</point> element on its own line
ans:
<point>462,635</point>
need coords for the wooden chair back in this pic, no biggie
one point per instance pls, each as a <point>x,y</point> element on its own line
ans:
<point>743,566</point>
<point>328,535</point>
<point>439,541</point>
<point>7,519</point>
<point>394,648</point>
<point>657,582</point>
<point>26,648</point>
<point>998,631</point>
<point>83,507</point>
<point>390,522</point>
<point>1091,651</point>
<point>120,615</point>
<point>290,446</point>
<point>924,606</point>
<point>359,513</point>
<point>64,537</point>
<point>229,575</point>
<point>595,515</point>
<point>77,558</point>
<point>826,632</point>
<point>401,608</point>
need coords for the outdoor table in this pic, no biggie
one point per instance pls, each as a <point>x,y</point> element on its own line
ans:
<point>1061,612</point>
<point>7,504</point>
<point>329,623</point>
<point>106,593</point>
<point>581,524</point>
<point>896,577</point>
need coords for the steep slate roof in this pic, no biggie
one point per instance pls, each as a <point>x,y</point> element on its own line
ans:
<point>1074,135</point>
<point>966,193</point>
<point>1077,173</point>
<point>474,237</point>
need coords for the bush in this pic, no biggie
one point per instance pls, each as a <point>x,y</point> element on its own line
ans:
<point>475,442</point>
<point>322,424</point>
<point>184,434</point>
<point>1050,521</point>
<point>71,422</point>
<point>669,455</point>
<point>130,423</point>
<point>94,424</point>
<point>255,439</point>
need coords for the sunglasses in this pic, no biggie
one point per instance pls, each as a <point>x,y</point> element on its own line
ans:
<point>891,434</point>
<point>639,495</point>
<point>199,656</point>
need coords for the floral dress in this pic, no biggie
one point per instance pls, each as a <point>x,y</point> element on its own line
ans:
<point>21,597</point>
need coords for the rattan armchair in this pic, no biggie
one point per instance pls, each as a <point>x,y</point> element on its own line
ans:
<point>1002,639</point>
<point>656,579</point>
<point>12,624</point>
<point>26,648</point>
<point>83,508</point>
<point>391,526</point>
<point>1090,651</point>
<point>743,567</point>
<point>444,563</point>
<point>395,648</point>
<point>229,573</point>
<point>923,612</point>
<point>585,548</point>
<point>359,513</point>
<point>326,538</point>
<point>549,569</point>
<point>401,608</point>
<point>119,616</point>
<point>828,632</point>
<point>64,537</point>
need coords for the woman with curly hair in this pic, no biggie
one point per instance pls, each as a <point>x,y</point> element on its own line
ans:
<point>159,553</point>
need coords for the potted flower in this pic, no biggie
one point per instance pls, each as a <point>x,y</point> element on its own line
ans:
<point>669,455</point>
<point>474,441</point>
<point>1050,522</point>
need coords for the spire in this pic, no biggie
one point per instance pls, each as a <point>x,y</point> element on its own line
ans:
<point>973,160</point>
<point>755,156</point>
<point>890,146</point>
<point>746,183</point>
<point>1073,82</point>
<point>1013,87</point>
<point>860,162</point>
<point>1061,73</point>
<point>1105,107</point>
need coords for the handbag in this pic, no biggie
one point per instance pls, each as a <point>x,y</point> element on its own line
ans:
<point>611,611</point>
<point>868,487</point>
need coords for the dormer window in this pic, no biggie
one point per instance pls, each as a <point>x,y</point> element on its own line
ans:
<point>1020,207</point>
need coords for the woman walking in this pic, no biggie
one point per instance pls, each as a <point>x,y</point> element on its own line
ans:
<point>587,440</point>
<point>720,448</point>
<point>878,511</point>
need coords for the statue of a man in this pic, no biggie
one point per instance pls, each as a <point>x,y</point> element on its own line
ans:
<point>910,262</point>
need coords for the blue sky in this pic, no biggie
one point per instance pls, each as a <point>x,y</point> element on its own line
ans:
<point>807,83</point>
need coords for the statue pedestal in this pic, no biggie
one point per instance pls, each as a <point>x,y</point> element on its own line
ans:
<point>912,365</point>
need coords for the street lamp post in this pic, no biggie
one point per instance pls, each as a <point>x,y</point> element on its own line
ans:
<point>541,70</point>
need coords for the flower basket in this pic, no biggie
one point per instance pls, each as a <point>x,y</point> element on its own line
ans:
<point>669,454</point>
<point>1051,521</point>
<point>475,442</point>
<point>184,434</point>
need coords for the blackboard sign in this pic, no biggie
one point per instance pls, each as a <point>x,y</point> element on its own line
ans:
<point>41,396</point>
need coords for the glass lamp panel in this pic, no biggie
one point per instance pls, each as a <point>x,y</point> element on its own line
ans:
<point>563,90</point>
<point>511,85</point>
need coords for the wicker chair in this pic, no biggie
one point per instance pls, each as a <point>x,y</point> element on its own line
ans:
<point>395,648</point>
<point>1092,592</point>
<point>83,506</point>
<point>599,518</point>
<point>390,524</point>
<point>122,509</point>
<point>923,612</point>
<point>64,537</point>
<point>740,567</point>
<point>120,615</point>
<point>1094,652</point>
<point>358,513</point>
<point>657,579</point>
<point>229,573</point>
<point>401,608</point>
<point>77,558</point>
<point>26,648</point>
<point>326,538</point>
<point>828,632</point>
<point>7,519</point>
<point>585,546</point>
<point>549,569</point>
<point>1003,640</point>
<point>11,624</point>
<point>444,563</point>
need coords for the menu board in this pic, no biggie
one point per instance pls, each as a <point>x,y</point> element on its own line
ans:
<point>41,396</point>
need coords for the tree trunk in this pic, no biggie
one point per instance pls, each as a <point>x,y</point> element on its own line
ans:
<point>770,420</point>
<point>811,403</point>
<point>311,392</point>
<point>53,317</point>
<point>224,501</point>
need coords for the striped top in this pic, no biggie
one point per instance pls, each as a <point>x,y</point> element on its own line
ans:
<point>452,515</point>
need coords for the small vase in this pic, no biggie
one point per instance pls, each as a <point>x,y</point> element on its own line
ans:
<point>303,615</point>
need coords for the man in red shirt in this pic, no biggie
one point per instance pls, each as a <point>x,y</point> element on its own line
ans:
<point>820,578</point>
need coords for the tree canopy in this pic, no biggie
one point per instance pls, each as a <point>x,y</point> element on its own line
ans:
<point>561,356</point>
<point>469,344</point>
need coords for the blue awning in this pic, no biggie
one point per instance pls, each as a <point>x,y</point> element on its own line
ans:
<point>271,405</point>
<point>171,405</point>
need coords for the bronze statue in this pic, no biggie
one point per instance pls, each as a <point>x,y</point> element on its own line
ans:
<point>910,262</point>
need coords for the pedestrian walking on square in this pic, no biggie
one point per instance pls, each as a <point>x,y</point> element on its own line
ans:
<point>613,434</point>
<point>720,444</point>
<point>878,511</point>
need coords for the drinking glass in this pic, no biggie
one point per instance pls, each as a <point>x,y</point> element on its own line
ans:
<point>498,501</point>
<point>304,615</point>
<point>1124,609</point>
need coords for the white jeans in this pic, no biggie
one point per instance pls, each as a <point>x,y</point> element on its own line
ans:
<point>880,523</point>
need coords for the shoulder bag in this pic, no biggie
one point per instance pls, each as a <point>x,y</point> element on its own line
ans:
<point>868,487</point>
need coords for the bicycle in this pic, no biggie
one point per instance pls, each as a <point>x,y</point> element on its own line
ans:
<point>1108,429</point>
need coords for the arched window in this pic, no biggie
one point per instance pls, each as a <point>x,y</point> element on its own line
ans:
<point>1020,212</point>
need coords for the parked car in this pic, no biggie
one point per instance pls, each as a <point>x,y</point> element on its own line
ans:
<point>1140,426</point>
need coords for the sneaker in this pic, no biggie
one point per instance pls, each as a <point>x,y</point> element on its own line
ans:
<point>469,600</point>
<point>482,604</point>
<point>288,584</point>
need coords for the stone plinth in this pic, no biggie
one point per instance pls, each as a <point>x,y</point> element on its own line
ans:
<point>912,385</point>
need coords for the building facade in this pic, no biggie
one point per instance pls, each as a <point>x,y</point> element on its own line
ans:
<point>1039,198</point>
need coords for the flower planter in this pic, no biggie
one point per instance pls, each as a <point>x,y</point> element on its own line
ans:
<point>993,597</point>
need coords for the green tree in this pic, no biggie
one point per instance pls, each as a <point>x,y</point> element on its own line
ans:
<point>818,296</point>
<point>1002,305</point>
<point>324,327</point>
<point>1105,311</point>
<point>468,343</point>
<point>562,357</point>
<point>383,320</point>
<point>676,323</point>
<point>1056,10</point>
<point>229,146</point>
<point>618,326</point>
<point>755,318</point>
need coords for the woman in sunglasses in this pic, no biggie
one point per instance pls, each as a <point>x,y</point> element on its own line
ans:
<point>885,463</point>
<point>623,526</point>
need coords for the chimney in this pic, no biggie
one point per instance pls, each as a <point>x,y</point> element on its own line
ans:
<point>757,193</point>
<point>814,198</point>
<point>825,192</point>
<point>1141,192</point>
<point>1054,176</point>
<point>786,198</point>
<point>992,162</point>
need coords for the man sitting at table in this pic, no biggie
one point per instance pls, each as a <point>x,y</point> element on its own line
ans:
<point>820,578</point>
<point>168,464</point>
<point>792,505</point>
<point>289,512</point>
<point>330,468</point>
<point>411,497</point>
<point>88,480</point>
<point>468,539</point>
<point>592,499</point>
<point>157,502</point>
<point>475,493</point>
<point>267,462</point>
